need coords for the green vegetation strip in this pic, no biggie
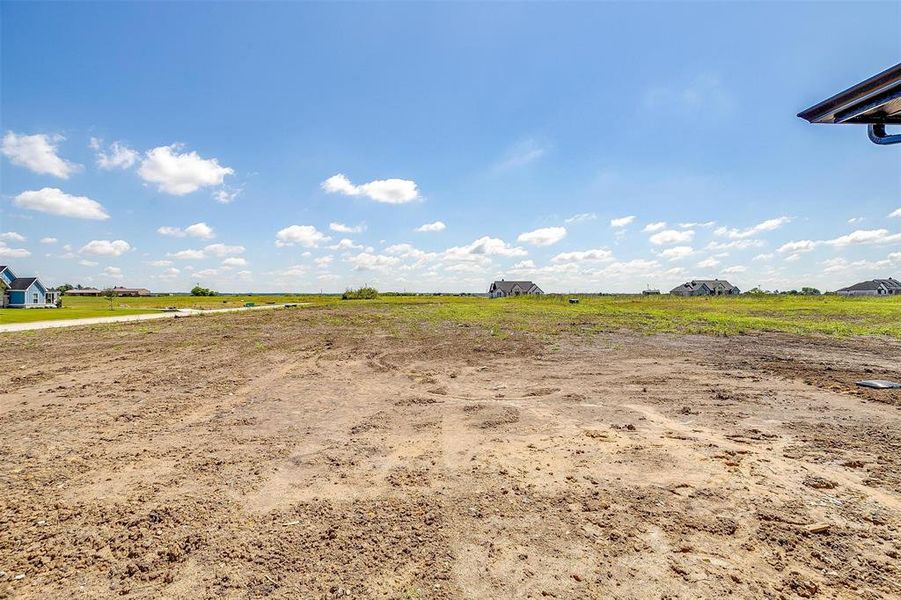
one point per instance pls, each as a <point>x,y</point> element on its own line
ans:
<point>804,315</point>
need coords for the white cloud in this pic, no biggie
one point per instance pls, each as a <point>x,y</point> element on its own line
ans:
<point>523,153</point>
<point>798,246</point>
<point>854,220</point>
<point>54,201</point>
<point>302,235</point>
<point>738,234</point>
<point>366,261</point>
<point>523,265</point>
<point>188,254</point>
<point>49,240</point>
<point>7,252</point>
<point>766,256</point>
<point>388,191</point>
<point>118,156</point>
<point>735,245</point>
<point>677,252</point>
<point>199,230</point>
<point>171,231</point>
<point>895,213</point>
<point>346,244</point>
<point>672,236</point>
<point>11,236</point>
<point>484,246</point>
<point>652,227</point>
<point>734,269</point>
<point>234,261</point>
<point>222,250</point>
<point>342,228</point>
<point>622,221</point>
<point>160,263</point>
<point>704,224</point>
<point>708,263</point>
<point>114,272</point>
<point>865,236</point>
<point>180,174</point>
<point>37,153</point>
<point>323,261</point>
<point>225,195</point>
<point>88,263</point>
<point>595,255</point>
<point>409,251</point>
<point>545,236</point>
<point>429,227</point>
<point>855,238</point>
<point>581,218</point>
<point>106,248</point>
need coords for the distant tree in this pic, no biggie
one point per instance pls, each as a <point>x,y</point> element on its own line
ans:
<point>363,293</point>
<point>756,291</point>
<point>110,294</point>
<point>197,290</point>
<point>64,288</point>
<point>810,291</point>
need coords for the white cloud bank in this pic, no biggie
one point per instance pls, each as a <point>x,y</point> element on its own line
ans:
<point>739,234</point>
<point>342,228</point>
<point>300,235</point>
<point>860,237</point>
<point>431,227</point>
<point>672,236</point>
<point>622,221</point>
<point>106,248</point>
<point>54,201</point>
<point>546,236</point>
<point>117,156</point>
<point>37,153</point>
<point>199,230</point>
<point>387,191</point>
<point>180,174</point>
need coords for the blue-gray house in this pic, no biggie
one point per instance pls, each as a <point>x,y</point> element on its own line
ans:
<point>24,292</point>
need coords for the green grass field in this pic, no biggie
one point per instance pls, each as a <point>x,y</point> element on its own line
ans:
<point>81,308</point>
<point>827,315</point>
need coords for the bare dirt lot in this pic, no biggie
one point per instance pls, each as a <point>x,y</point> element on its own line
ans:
<point>308,453</point>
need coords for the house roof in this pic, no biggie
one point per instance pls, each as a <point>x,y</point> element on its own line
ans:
<point>22,283</point>
<point>507,286</point>
<point>873,285</point>
<point>876,100</point>
<point>695,284</point>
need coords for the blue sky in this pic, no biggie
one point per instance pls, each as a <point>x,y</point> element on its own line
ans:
<point>300,147</point>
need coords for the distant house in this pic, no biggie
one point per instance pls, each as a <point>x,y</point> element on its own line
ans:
<point>705,287</point>
<point>24,292</point>
<point>873,287</point>
<point>123,291</point>
<point>120,291</point>
<point>84,292</point>
<point>502,288</point>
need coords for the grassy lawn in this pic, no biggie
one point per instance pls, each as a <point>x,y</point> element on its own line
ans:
<point>828,315</point>
<point>81,308</point>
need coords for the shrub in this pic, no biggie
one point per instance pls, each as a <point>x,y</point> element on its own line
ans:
<point>202,291</point>
<point>363,293</point>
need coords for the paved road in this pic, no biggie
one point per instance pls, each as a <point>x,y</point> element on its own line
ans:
<point>185,312</point>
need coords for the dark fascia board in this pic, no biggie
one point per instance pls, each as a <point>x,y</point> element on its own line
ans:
<point>876,100</point>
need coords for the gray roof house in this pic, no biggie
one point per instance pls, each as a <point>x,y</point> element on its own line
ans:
<point>705,287</point>
<point>502,288</point>
<point>873,287</point>
<point>24,292</point>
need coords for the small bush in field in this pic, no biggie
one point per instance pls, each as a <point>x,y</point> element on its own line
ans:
<point>363,293</point>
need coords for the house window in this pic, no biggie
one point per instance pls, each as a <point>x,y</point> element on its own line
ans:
<point>34,298</point>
